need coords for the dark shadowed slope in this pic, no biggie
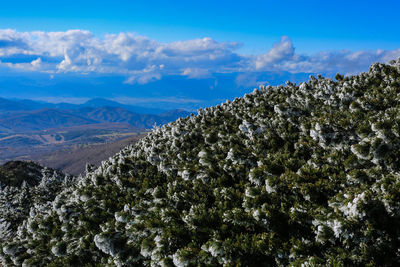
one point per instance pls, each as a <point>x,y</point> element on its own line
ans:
<point>14,173</point>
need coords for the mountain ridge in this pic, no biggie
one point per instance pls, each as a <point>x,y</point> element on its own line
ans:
<point>46,118</point>
<point>13,105</point>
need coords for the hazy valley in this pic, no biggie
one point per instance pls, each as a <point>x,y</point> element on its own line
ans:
<point>45,132</point>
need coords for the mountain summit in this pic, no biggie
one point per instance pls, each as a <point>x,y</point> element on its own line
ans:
<point>296,175</point>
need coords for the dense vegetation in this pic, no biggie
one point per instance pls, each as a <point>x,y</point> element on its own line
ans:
<point>24,188</point>
<point>303,174</point>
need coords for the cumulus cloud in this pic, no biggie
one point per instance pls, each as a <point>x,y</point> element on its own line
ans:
<point>36,63</point>
<point>282,57</point>
<point>281,51</point>
<point>144,76</point>
<point>196,73</point>
<point>343,61</point>
<point>143,60</point>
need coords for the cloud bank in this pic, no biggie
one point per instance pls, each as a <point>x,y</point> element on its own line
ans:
<point>143,60</point>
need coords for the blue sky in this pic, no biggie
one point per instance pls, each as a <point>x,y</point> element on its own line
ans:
<point>132,48</point>
<point>310,24</point>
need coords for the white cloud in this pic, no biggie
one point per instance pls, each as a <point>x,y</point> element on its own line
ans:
<point>151,73</point>
<point>143,60</point>
<point>343,61</point>
<point>281,51</point>
<point>196,73</point>
<point>36,63</point>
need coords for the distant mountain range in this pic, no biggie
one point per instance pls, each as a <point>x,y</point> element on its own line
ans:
<point>28,115</point>
<point>32,130</point>
<point>12,105</point>
<point>101,102</point>
<point>41,119</point>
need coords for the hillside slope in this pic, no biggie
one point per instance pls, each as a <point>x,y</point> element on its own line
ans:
<point>303,174</point>
<point>42,119</point>
<point>73,160</point>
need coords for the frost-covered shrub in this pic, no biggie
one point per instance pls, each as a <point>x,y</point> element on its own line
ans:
<point>304,175</point>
